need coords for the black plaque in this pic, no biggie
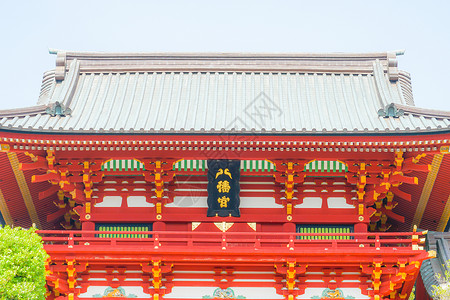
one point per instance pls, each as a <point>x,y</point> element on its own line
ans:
<point>223,188</point>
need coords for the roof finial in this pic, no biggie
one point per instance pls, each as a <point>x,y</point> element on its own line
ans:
<point>58,109</point>
<point>52,51</point>
<point>390,110</point>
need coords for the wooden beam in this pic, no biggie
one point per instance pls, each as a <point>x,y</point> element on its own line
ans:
<point>445,216</point>
<point>24,190</point>
<point>427,188</point>
<point>5,210</point>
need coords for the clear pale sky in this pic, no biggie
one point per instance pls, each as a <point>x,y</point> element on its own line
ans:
<point>29,28</point>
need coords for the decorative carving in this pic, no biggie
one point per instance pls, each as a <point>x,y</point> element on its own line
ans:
<point>223,294</point>
<point>391,110</point>
<point>58,109</point>
<point>223,226</point>
<point>332,294</point>
<point>114,293</point>
<point>252,226</point>
<point>195,225</point>
<point>60,70</point>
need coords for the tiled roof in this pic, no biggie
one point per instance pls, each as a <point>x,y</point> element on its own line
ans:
<point>211,93</point>
<point>439,242</point>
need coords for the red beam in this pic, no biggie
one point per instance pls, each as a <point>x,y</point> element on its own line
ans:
<point>57,214</point>
<point>232,146</point>
<point>232,246</point>
<point>191,214</point>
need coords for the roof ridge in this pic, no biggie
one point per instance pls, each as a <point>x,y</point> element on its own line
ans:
<point>349,63</point>
<point>230,54</point>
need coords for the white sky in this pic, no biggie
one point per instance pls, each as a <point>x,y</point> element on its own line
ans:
<point>29,28</point>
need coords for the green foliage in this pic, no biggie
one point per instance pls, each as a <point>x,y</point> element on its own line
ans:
<point>412,296</point>
<point>442,291</point>
<point>22,258</point>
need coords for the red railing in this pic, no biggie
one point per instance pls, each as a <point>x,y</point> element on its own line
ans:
<point>228,240</point>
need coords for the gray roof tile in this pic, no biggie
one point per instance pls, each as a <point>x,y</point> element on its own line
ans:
<point>323,93</point>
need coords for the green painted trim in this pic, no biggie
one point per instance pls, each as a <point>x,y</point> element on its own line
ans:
<point>262,166</point>
<point>306,228</point>
<point>123,227</point>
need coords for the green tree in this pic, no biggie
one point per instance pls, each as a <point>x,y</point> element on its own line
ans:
<point>442,290</point>
<point>22,258</point>
<point>412,296</point>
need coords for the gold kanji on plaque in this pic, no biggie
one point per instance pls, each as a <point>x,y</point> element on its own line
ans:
<point>223,186</point>
<point>226,172</point>
<point>223,201</point>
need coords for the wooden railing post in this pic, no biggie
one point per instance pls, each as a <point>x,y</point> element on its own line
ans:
<point>257,244</point>
<point>70,242</point>
<point>224,242</point>
<point>190,240</point>
<point>377,242</point>
<point>291,242</point>
<point>156,240</point>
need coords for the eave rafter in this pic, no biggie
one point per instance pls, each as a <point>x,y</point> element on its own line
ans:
<point>427,189</point>
<point>72,183</point>
<point>23,187</point>
<point>378,182</point>
<point>4,210</point>
<point>230,146</point>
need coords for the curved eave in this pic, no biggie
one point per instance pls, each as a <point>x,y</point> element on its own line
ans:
<point>293,132</point>
<point>19,198</point>
<point>389,138</point>
<point>426,112</point>
<point>429,207</point>
<point>22,112</point>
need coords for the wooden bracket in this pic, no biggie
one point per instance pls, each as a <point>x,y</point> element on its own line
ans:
<point>159,173</point>
<point>288,173</point>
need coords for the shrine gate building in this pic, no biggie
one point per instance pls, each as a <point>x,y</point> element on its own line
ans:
<point>238,176</point>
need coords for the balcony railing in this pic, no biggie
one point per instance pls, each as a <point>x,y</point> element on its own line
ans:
<point>245,241</point>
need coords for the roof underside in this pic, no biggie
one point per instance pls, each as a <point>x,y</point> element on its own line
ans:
<point>210,93</point>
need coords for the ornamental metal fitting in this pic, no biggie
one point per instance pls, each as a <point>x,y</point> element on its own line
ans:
<point>58,109</point>
<point>391,110</point>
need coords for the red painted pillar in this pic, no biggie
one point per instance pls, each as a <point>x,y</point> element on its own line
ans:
<point>360,227</point>
<point>88,226</point>
<point>289,227</point>
<point>159,226</point>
